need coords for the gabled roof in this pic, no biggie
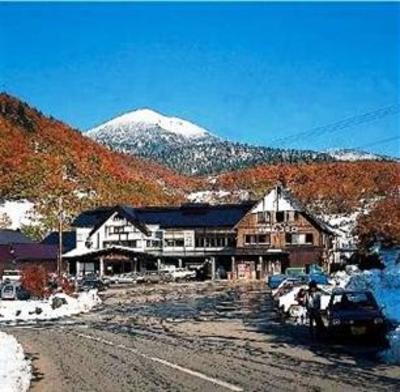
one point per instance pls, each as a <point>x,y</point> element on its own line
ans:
<point>68,239</point>
<point>297,205</point>
<point>128,213</point>
<point>13,237</point>
<point>91,217</point>
<point>184,216</point>
<point>195,215</point>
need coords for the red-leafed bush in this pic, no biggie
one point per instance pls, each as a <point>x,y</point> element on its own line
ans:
<point>66,286</point>
<point>35,280</point>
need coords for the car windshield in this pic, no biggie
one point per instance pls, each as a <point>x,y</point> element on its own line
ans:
<point>352,301</point>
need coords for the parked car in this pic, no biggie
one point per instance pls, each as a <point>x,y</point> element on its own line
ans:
<point>273,281</point>
<point>157,276</point>
<point>89,283</point>
<point>319,278</point>
<point>11,276</point>
<point>14,291</point>
<point>129,277</point>
<point>354,314</point>
<point>182,274</point>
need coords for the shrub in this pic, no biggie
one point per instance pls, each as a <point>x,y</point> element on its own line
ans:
<point>35,280</point>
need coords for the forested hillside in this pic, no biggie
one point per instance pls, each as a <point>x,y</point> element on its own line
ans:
<point>42,158</point>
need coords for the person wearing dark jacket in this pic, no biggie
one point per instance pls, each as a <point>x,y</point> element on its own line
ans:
<point>313,306</point>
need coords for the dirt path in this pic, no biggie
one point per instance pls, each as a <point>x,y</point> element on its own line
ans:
<point>228,343</point>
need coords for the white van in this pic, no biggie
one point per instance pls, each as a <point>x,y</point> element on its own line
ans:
<point>11,275</point>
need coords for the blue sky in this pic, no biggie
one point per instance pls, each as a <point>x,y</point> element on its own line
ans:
<point>247,72</point>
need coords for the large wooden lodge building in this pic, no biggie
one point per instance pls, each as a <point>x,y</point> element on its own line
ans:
<point>247,241</point>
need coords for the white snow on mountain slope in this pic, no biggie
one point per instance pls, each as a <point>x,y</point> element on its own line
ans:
<point>354,155</point>
<point>143,119</point>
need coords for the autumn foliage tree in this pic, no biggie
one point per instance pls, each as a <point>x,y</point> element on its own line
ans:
<point>381,224</point>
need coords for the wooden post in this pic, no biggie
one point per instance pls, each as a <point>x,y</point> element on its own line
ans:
<point>60,236</point>
<point>180,263</point>
<point>233,268</point>
<point>261,261</point>
<point>213,275</point>
<point>101,262</point>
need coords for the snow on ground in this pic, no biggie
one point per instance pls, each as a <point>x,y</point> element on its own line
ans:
<point>22,311</point>
<point>15,370</point>
<point>19,212</point>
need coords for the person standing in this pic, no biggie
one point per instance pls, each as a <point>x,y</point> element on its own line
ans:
<point>313,306</point>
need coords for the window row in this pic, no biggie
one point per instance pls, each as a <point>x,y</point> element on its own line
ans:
<point>254,239</point>
<point>214,241</point>
<point>277,216</point>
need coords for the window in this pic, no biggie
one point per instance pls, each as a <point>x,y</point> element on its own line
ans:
<point>128,244</point>
<point>299,239</point>
<point>152,243</point>
<point>175,242</point>
<point>119,229</point>
<point>309,238</point>
<point>263,217</point>
<point>280,216</point>
<point>263,238</point>
<point>249,239</point>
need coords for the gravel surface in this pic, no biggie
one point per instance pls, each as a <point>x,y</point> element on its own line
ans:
<point>193,337</point>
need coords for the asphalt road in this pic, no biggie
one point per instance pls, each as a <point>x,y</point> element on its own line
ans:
<point>225,341</point>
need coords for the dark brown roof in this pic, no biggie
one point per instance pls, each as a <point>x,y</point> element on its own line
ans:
<point>28,252</point>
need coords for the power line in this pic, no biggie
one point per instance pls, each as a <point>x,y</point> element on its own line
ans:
<point>342,124</point>
<point>378,142</point>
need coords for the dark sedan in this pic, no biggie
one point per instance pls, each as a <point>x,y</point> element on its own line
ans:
<point>354,314</point>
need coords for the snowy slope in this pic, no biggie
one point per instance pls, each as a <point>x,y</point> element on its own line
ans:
<point>140,121</point>
<point>352,155</point>
<point>186,147</point>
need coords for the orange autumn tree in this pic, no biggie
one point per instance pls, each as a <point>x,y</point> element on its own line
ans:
<point>381,224</point>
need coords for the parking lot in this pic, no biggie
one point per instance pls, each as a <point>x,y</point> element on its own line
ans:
<point>194,336</point>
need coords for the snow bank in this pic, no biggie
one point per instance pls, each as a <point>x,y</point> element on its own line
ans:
<point>392,355</point>
<point>17,311</point>
<point>385,285</point>
<point>15,371</point>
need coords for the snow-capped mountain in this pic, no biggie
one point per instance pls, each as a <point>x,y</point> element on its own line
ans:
<point>141,120</point>
<point>346,154</point>
<point>189,148</point>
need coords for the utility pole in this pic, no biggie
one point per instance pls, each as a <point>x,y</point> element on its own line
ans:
<point>60,235</point>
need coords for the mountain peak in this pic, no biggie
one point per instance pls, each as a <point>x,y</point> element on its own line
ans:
<point>145,118</point>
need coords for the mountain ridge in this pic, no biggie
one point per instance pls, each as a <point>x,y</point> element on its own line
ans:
<point>151,135</point>
<point>190,149</point>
